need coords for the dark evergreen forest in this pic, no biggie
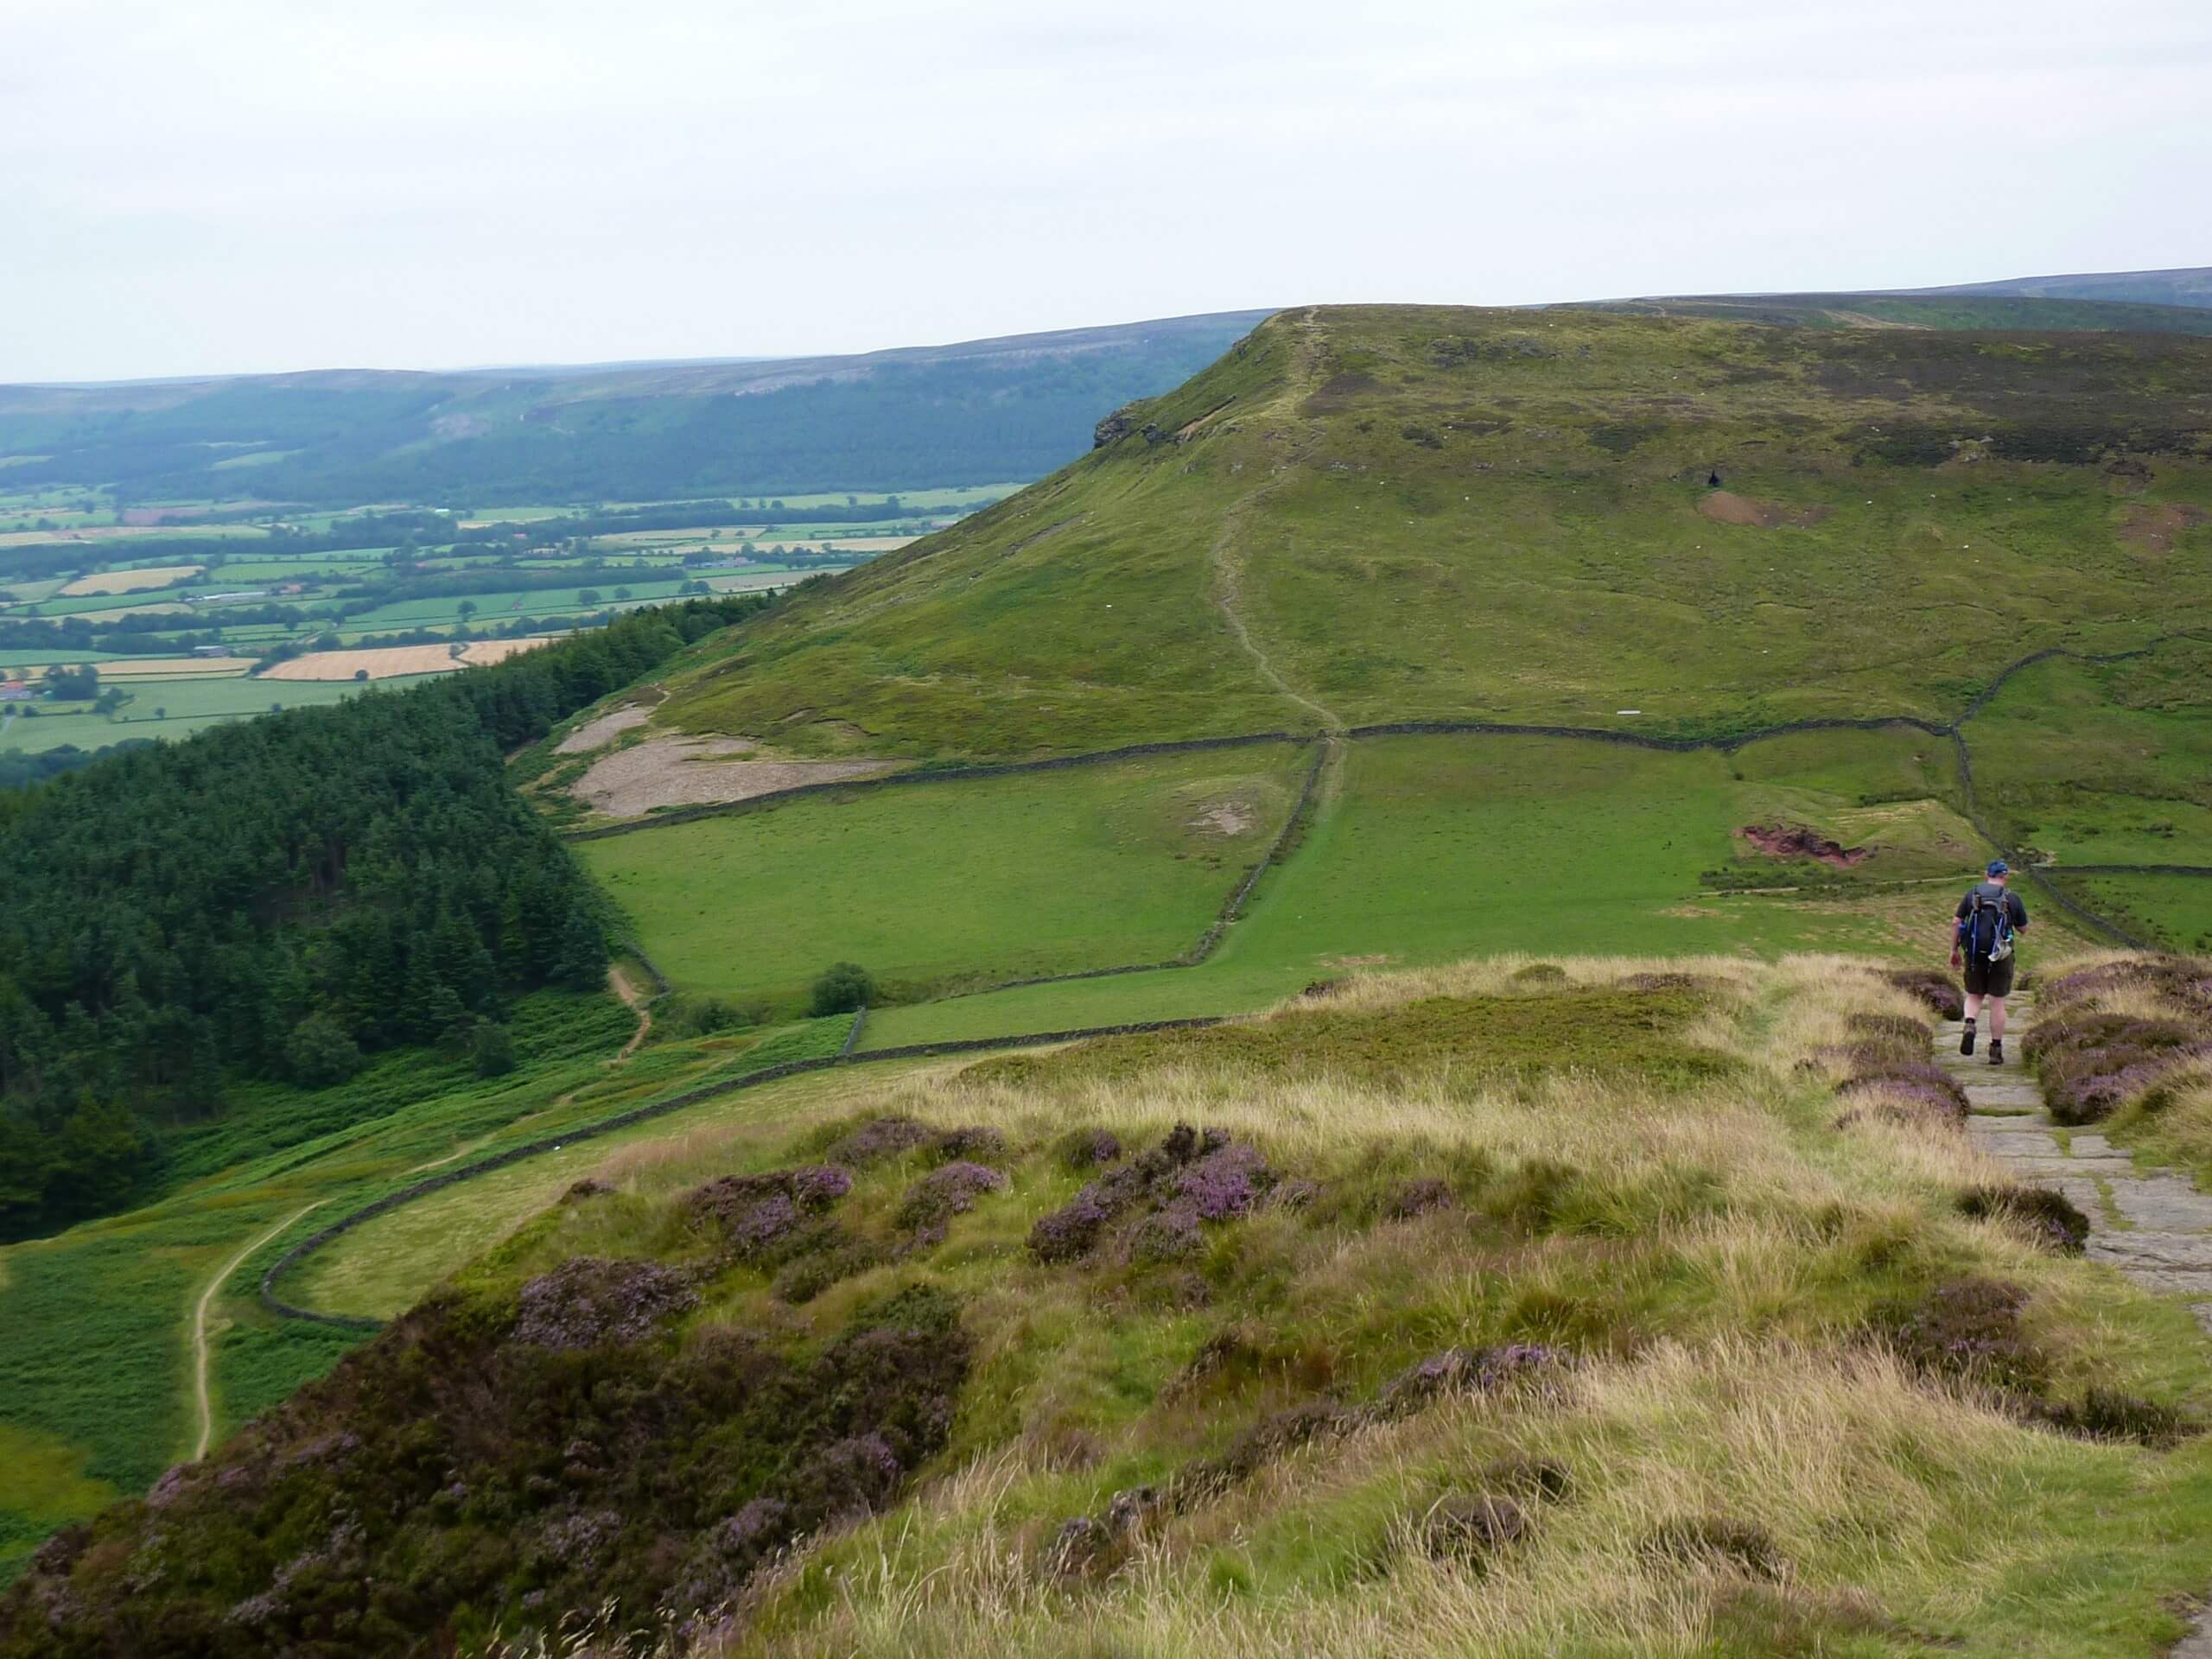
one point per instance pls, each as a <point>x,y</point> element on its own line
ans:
<point>280,898</point>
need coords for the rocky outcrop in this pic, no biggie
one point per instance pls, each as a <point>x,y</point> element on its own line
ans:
<point>1114,427</point>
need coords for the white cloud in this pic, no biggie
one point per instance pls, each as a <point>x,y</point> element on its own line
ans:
<point>254,184</point>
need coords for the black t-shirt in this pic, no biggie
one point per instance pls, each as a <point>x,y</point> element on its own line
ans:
<point>1990,892</point>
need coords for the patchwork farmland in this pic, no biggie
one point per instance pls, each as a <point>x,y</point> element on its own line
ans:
<point>129,623</point>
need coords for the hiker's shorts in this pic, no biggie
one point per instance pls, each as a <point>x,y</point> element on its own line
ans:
<point>1987,978</point>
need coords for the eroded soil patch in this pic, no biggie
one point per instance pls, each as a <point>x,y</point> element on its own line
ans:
<point>2153,528</point>
<point>1725,506</point>
<point>1794,841</point>
<point>700,772</point>
<point>598,732</point>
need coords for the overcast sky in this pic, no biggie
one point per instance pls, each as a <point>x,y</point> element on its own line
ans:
<point>226,184</point>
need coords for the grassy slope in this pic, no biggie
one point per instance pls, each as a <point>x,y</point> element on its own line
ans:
<point>1653,1181</point>
<point>99,1414</point>
<point>974,882</point>
<point>1500,514</point>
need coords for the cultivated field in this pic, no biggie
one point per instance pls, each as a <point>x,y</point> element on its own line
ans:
<point>295,593</point>
<point>133,580</point>
<point>393,662</point>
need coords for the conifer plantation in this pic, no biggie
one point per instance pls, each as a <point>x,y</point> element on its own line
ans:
<point>278,900</point>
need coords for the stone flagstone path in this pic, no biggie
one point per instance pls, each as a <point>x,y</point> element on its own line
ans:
<point>2157,1228</point>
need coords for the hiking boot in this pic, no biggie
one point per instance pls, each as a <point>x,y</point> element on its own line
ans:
<point>1966,1041</point>
<point>1997,1051</point>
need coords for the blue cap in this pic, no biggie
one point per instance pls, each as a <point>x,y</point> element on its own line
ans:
<point>1999,867</point>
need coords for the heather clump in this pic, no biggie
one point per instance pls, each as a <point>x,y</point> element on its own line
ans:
<point>1165,1195</point>
<point>1227,1182</point>
<point>2107,1413</point>
<point>2185,982</point>
<point>1465,1370</point>
<point>1969,1330</point>
<point>2092,1064</point>
<point>975,1143</point>
<point>2046,1215</point>
<point>1935,988</point>
<point>1419,1197</point>
<point>587,1302</point>
<point>1090,1149</point>
<point>1469,1528</point>
<point>950,1190</point>
<point>878,1139</point>
<point>770,1217</point>
<point>1903,1092</point>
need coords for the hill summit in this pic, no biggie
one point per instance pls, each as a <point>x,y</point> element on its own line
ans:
<point>1673,525</point>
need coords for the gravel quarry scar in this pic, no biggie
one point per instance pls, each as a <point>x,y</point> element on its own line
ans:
<point>700,772</point>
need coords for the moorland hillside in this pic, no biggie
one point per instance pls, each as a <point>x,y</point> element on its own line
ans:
<point>1668,525</point>
<point>1517,1309</point>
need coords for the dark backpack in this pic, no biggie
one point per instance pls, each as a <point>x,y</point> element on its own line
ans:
<point>1986,928</point>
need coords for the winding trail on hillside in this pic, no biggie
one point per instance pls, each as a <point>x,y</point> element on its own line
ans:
<point>638,1003</point>
<point>1228,596</point>
<point>1228,572</point>
<point>203,1402</point>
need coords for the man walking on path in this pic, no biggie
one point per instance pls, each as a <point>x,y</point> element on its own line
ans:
<point>1982,931</point>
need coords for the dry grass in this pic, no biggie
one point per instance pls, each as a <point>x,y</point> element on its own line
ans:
<point>1842,1464</point>
<point>171,668</point>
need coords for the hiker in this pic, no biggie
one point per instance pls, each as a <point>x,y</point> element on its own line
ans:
<point>1981,935</point>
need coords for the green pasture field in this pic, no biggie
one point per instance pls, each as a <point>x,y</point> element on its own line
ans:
<point>192,703</point>
<point>317,568</point>
<point>1422,849</point>
<point>2173,910</point>
<point>959,882</point>
<point>2103,763</point>
<point>1432,848</point>
<point>493,604</point>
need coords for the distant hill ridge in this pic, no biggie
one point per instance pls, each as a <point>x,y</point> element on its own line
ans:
<point>976,412</point>
<point>2180,285</point>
